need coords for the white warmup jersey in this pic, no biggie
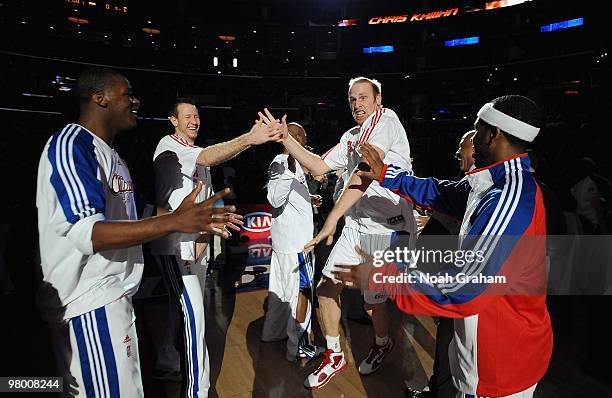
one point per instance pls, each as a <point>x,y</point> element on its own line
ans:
<point>292,225</point>
<point>290,268</point>
<point>82,180</point>
<point>176,175</point>
<point>379,211</point>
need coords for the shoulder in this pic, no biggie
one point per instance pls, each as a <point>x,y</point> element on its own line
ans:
<point>280,159</point>
<point>389,118</point>
<point>383,117</point>
<point>72,139</point>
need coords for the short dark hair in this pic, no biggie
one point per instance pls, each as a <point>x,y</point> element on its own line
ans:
<point>173,111</point>
<point>518,107</point>
<point>93,80</point>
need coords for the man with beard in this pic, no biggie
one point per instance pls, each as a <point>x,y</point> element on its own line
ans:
<point>503,338</point>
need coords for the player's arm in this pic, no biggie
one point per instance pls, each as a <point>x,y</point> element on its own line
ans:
<point>449,197</point>
<point>188,218</point>
<point>307,159</point>
<point>353,191</point>
<point>495,252</point>
<point>219,153</point>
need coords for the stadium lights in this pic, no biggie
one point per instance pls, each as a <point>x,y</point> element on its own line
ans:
<point>379,49</point>
<point>571,23</point>
<point>347,22</point>
<point>151,31</point>
<point>492,5</point>
<point>79,21</point>
<point>462,42</point>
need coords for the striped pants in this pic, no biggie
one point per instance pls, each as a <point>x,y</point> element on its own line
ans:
<point>185,282</point>
<point>97,352</point>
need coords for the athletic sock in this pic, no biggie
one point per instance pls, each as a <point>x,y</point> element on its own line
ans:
<point>333,343</point>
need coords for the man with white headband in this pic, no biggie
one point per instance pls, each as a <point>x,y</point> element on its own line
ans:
<point>503,338</point>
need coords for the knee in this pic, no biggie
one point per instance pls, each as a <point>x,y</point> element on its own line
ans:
<point>327,289</point>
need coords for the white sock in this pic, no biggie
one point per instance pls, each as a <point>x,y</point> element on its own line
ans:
<point>333,343</point>
<point>380,341</point>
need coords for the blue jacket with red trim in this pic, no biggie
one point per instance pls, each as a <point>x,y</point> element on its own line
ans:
<point>503,337</point>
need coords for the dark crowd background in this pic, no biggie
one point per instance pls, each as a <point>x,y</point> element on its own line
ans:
<point>435,91</point>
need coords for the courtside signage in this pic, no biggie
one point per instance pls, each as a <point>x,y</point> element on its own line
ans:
<point>258,221</point>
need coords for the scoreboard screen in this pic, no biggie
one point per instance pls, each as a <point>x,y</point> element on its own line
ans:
<point>116,7</point>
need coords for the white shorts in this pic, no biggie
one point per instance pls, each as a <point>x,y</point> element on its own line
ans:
<point>344,253</point>
<point>97,352</point>
<point>528,393</point>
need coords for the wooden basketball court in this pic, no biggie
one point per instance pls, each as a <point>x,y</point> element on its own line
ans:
<point>243,366</point>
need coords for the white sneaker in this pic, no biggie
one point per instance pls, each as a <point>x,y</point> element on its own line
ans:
<point>333,364</point>
<point>375,358</point>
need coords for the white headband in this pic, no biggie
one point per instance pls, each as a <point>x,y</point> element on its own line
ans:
<point>510,125</point>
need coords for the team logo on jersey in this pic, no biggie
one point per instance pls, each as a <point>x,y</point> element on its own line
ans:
<point>128,348</point>
<point>395,220</point>
<point>257,221</point>
<point>119,185</point>
<point>349,146</point>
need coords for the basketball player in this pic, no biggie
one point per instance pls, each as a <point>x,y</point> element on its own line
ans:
<point>503,339</point>
<point>291,292</point>
<point>441,383</point>
<point>372,218</point>
<point>90,239</point>
<point>179,165</point>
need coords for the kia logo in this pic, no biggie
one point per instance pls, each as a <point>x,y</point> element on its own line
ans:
<point>258,221</point>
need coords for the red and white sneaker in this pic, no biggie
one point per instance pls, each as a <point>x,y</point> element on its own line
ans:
<point>375,358</point>
<point>333,364</point>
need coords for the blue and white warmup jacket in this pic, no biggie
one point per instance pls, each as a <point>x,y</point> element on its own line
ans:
<point>503,337</point>
<point>82,180</point>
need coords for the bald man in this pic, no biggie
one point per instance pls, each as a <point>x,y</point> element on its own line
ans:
<point>465,152</point>
<point>292,270</point>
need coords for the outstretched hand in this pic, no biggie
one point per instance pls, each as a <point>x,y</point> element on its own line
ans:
<point>192,217</point>
<point>372,164</point>
<point>355,276</point>
<point>327,233</point>
<point>269,120</point>
<point>261,133</point>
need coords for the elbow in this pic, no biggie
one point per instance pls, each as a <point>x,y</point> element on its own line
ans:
<point>205,160</point>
